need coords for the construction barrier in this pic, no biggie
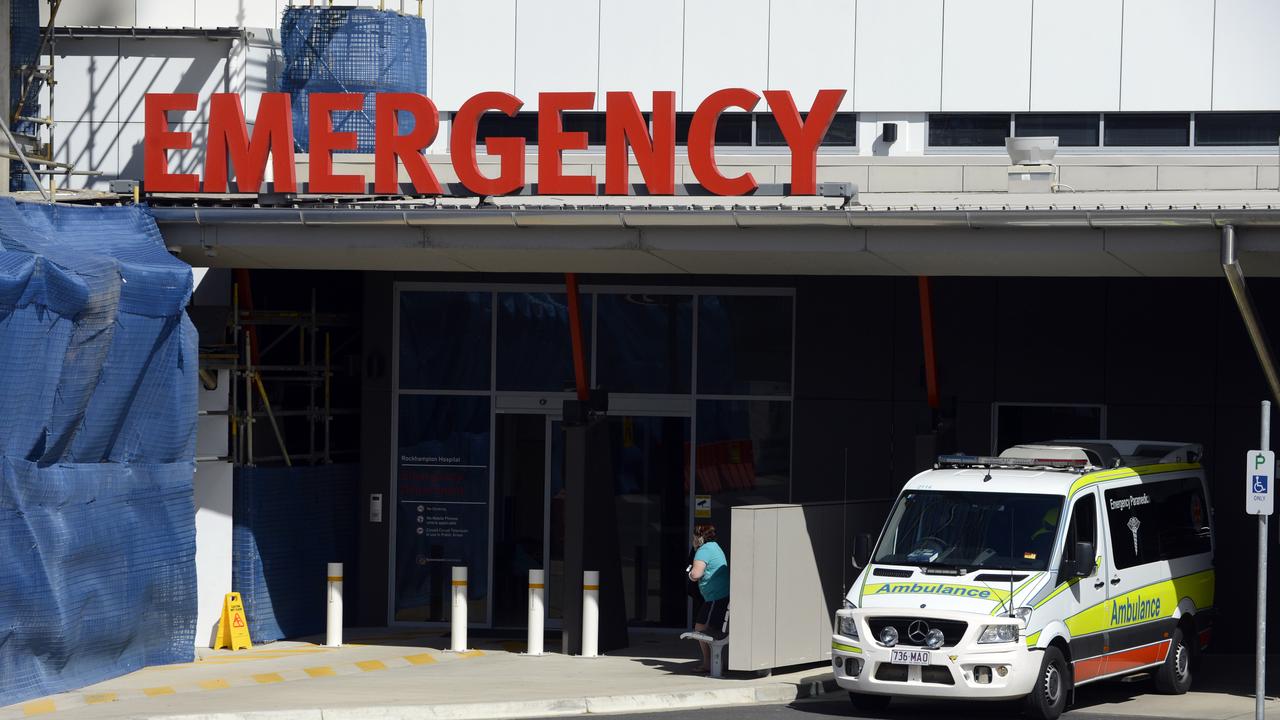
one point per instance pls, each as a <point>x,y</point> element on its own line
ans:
<point>98,382</point>
<point>289,523</point>
<point>350,50</point>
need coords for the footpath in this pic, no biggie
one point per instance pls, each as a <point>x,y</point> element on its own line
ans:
<point>383,674</point>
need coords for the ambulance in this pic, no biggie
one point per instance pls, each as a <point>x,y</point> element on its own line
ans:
<point>1030,574</point>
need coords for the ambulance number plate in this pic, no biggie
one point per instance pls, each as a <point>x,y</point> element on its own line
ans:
<point>910,657</point>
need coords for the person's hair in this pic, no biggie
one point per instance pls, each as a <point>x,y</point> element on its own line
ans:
<point>706,532</point>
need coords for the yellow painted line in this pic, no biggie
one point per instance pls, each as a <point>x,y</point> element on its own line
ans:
<point>39,707</point>
<point>471,654</point>
<point>371,665</point>
<point>155,691</point>
<point>420,659</point>
<point>846,648</point>
<point>268,678</point>
<point>100,698</point>
<point>214,684</point>
<point>320,671</point>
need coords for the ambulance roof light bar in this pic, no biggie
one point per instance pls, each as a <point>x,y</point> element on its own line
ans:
<point>986,461</point>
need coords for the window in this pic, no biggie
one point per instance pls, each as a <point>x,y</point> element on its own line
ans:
<point>1224,129</point>
<point>1083,527</point>
<point>744,345</point>
<point>496,124</point>
<point>525,125</point>
<point>968,129</point>
<point>1071,129</point>
<point>843,131</point>
<point>732,129</point>
<point>1157,521</point>
<point>1147,129</point>
<point>444,340</point>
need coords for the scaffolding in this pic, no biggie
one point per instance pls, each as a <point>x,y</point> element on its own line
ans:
<point>32,135</point>
<point>254,369</point>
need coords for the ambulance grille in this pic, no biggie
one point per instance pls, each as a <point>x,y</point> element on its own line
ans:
<point>952,630</point>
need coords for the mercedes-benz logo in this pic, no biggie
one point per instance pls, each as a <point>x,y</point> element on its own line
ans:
<point>917,631</point>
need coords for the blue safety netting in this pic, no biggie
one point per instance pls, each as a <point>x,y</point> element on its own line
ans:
<point>98,367</point>
<point>350,50</point>
<point>289,523</point>
<point>24,50</point>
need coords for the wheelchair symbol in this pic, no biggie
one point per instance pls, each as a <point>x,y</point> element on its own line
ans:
<point>1260,484</point>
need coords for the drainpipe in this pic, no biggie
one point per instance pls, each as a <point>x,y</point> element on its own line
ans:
<point>1248,313</point>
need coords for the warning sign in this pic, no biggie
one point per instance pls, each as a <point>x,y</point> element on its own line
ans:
<point>702,506</point>
<point>233,631</point>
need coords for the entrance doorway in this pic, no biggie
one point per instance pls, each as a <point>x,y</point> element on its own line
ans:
<point>650,455</point>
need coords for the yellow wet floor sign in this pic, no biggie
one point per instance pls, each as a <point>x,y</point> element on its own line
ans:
<point>233,630</point>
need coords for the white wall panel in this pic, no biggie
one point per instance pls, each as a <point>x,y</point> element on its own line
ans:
<point>1246,55</point>
<point>91,12</point>
<point>166,65</point>
<point>475,49</point>
<point>167,13</point>
<point>726,44</point>
<point>986,56</point>
<point>88,73</point>
<point>811,48</point>
<point>557,47</point>
<point>641,48</point>
<point>1168,55</point>
<point>235,13</point>
<point>1075,55</point>
<point>899,49</point>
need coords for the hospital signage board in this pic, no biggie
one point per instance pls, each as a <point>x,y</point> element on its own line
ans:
<point>649,143</point>
<point>1260,475</point>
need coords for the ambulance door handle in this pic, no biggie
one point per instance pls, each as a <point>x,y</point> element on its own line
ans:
<point>1115,580</point>
<point>1098,584</point>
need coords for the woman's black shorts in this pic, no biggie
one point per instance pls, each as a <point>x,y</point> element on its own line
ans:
<point>712,615</point>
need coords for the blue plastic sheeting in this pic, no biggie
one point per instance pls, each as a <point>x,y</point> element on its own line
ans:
<point>24,49</point>
<point>350,50</point>
<point>97,443</point>
<point>289,524</point>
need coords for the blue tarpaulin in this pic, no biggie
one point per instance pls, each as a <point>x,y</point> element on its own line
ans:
<point>290,522</point>
<point>98,373</point>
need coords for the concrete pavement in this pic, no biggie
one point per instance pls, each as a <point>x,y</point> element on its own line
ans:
<point>385,675</point>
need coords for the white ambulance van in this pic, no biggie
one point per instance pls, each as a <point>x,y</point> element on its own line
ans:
<point>1032,573</point>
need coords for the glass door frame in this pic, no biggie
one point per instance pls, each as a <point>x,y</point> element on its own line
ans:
<point>551,403</point>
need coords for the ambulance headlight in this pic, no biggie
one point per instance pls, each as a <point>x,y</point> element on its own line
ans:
<point>889,636</point>
<point>1006,633</point>
<point>848,627</point>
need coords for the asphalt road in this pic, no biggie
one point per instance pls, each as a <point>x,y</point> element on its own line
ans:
<point>838,706</point>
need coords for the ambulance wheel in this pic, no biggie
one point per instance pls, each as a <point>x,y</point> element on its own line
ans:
<point>1049,696</point>
<point>1174,676</point>
<point>870,703</point>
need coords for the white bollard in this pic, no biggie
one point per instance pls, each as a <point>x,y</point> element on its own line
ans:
<point>333,625</point>
<point>590,613</point>
<point>537,611</point>
<point>459,617</point>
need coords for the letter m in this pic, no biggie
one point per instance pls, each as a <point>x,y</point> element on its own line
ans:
<point>229,142</point>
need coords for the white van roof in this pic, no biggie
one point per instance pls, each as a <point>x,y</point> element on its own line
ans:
<point>1052,466</point>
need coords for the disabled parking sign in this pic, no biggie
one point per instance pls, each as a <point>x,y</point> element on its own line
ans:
<point>1260,471</point>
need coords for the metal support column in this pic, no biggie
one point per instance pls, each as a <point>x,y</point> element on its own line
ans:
<point>1248,313</point>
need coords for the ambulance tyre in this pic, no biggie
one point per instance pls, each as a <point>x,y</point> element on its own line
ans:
<point>1174,676</point>
<point>1049,696</point>
<point>870,703</point>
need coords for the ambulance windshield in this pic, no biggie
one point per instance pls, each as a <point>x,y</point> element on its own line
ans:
<point>971,530</point>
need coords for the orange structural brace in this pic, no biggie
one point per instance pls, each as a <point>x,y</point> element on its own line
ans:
<point>926,333</point>
<point>575,336</point>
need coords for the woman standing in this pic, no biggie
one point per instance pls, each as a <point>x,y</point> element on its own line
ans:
<point>711,571</point>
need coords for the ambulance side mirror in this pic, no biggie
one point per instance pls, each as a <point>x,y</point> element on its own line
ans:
<point>861,550</point>
<point>1083,564</point>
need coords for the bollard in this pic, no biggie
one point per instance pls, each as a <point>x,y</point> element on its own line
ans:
<point>537,591</point>
<point>333,625</point>
<point>590,612</point>
<point>459,617</point>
